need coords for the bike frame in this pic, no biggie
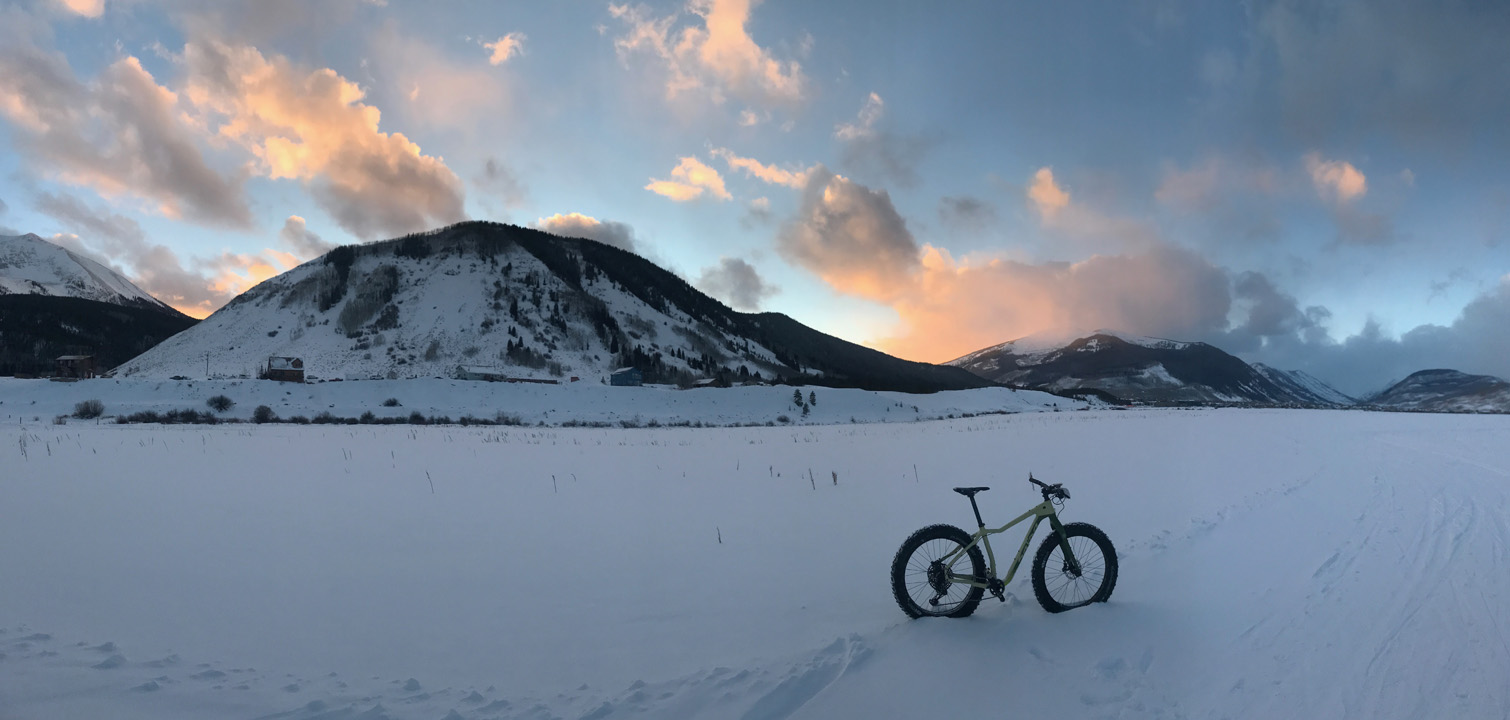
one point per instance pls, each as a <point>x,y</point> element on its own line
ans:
<point>982,537</point>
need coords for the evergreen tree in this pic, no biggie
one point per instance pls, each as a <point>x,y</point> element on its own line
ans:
<point>812,398</point>
<point>797,397</point>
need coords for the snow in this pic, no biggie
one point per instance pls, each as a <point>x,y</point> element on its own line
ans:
<point>589,401</point>
<point>1041,346</point>
<point>30,265</point>
<point>1274,563</point>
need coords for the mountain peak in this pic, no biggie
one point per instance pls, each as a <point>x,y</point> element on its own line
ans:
<point>31,265</point>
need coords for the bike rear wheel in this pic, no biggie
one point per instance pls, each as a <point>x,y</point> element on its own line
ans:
<point>1060,587</point>
<point>917,580</point>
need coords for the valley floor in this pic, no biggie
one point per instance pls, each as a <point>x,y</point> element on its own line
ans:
<point>1273,564</point>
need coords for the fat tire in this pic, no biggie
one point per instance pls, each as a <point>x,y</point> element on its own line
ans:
<point>1051,543</point>
<point>899,565</point>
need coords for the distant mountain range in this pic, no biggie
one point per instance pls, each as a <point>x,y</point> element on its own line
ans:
<point>521,303</point>
<point>1144,369</point>
<point>55,302</point>
<point>1132,368</point>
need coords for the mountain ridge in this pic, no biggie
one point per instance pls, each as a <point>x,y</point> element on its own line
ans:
<point>522,301</point>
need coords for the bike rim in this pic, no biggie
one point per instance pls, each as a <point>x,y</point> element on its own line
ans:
<point>915,577</point>
<point>1068,589</point>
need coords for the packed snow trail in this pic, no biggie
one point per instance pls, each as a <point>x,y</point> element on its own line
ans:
<point>1274,564</point>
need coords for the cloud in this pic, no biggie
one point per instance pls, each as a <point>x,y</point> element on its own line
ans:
<point>872,151</point>
<point>966,213</point>
<point>692,178</point>
<point>1477,341</point>
<point>1237,199</point>
<point>578,225</point>
<point>864,126</point>
<point>197,289</point>
<point>501,182</point>
<point>958,307</point>
<point>86,8</point>
<point>441,92</point>
<point>120,134</point>
<point>757,212</point>
<point>311,125</point>
<point>1047,196</point>
<point>1336,180</point>
<point>1388,68</point>
<point>851,236</point>
<point>304,243</point>
<point>735,282</point>
<point>718,57</point>
<point>1340,185</point>
<point>508,46</point>
<point>760,171</point>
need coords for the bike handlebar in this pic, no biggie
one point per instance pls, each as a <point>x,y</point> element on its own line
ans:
<point>1056,490</point>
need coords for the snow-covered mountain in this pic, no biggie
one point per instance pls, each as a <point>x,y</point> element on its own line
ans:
<point>30,265</point>
<point>54,302</point>
<point>1146,369</point>
<point>517,302</point>
<point>1446,391</point>
<point>1305,386</point>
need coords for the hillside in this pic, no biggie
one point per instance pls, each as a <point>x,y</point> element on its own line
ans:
<point>520,302</point>
<point>1446,391</point>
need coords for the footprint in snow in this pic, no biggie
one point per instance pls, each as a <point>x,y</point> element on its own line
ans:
<point>110,663</point>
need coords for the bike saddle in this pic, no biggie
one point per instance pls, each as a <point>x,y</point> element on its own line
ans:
<point>970,491</point>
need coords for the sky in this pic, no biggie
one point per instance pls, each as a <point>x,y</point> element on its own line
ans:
<point>1320,186</point>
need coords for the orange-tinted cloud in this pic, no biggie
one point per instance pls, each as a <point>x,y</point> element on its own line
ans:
<point>1336,180</point>
<point>852,237</point>
<point>691,179</point>
<point>311,125</point>
<point>508,46</point>
<point>760,171</point>
<point>956,308</point>
<point>720,56</point>
<point>1047,196</point>
<point>86,8</point>
<point>120,134</point>
<point>578,225</point>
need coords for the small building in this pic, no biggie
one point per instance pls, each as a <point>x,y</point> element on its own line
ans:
<point>493,374</point>
<point>285,369</point>
<point>626,377</point>
<point>74,366</point>
<point>480,372</point>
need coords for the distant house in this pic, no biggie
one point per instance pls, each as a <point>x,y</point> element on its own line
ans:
<point>626,377</point>
<point>285,369</point>
<point>75,366</point>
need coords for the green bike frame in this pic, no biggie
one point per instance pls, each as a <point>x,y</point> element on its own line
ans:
<point>982,537</point>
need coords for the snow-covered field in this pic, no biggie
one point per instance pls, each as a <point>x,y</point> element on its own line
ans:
<point>1274,564</point>
<point>583,402</point>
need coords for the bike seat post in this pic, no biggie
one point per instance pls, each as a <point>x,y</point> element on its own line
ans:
<point>978,521</point>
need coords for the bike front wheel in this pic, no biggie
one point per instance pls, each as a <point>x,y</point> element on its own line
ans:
<point>1059,586</point>
<point>919,579</point>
